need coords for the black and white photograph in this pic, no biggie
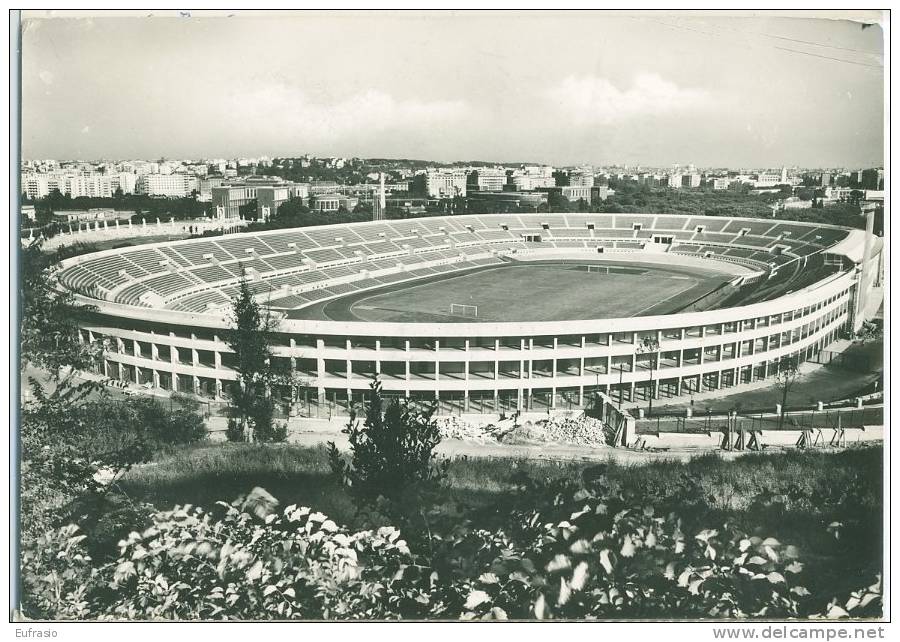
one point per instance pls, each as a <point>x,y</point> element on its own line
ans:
<point>417,315</point>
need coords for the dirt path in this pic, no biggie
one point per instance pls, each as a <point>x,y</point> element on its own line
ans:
<point>457,448</point>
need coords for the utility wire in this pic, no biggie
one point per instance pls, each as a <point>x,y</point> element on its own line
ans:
<point>804,42</point>
<point>806,53</point>
<point>849,62</point>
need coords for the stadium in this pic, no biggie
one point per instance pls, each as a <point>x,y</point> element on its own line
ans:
<point>485,313</point>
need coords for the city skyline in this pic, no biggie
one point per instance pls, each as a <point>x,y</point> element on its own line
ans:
<point>635,166</point>
<point>562,91</point>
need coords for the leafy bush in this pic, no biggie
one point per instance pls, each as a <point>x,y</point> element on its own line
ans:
<point>615,559</point>
<point>76,446</point>
<point>299,564</point>
<point>392,450</point>
<point>584,556</point>
<point>57,575</point>
<point>265,429</point>
<point>163,426</point>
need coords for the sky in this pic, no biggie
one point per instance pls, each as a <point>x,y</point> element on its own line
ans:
<point>561,88</point>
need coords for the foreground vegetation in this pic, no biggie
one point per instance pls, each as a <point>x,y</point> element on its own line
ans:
<point>768,535</point>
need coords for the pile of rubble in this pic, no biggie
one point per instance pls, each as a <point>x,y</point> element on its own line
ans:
<point>578,429</point>
<point>457,428</point>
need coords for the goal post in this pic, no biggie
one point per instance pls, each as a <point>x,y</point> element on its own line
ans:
<point>603,269</point>
<point>463,310</point>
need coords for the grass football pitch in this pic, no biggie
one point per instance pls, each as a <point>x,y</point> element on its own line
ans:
<point>546,292</point>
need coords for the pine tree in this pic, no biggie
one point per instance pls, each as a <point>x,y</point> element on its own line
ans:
<point>250,338</point>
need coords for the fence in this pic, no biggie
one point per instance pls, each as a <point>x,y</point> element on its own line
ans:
<point>856,361</point>
<point>809,420</point>
<point>618,424</point>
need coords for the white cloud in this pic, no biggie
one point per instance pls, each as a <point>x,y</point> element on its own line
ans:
<point>593,100</point>
<point>290,110</point>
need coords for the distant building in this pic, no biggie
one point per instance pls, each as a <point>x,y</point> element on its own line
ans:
<point>573,193</point>
<point>837,193</point>
<point>265,191</point>
<point>719,184</point>
<point>323,187</point>
<point>794,203</point>
<point>690,180</point>
<point>168,185</point>
<point>40,185</point>
<point>530,183</point>
<point>333,202</point>
<point>825,179</point>
<point>270,197</point>
<point>206,185</point>
<point>441,183</point>
<point>37,186</point>
<point>486,180</point>
<point>127,182</point>
<point>872,179</point>
<point>581,179</point>
<point>228,199</point>
<point>498,201</point>
<point>767,180</point>
<point>601,193</point>
<point>91,215</point>
<point>531,178</point>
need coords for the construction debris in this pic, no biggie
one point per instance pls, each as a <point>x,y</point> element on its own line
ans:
<point>575,429</point>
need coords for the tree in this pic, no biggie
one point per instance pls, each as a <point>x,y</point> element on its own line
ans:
<point>76,443</point>
<point>248,211</point>
<point>786,375</point>
<point>49,318</point>
<point>250,338</point>
<point>393,449</point>
<point>558,203</point>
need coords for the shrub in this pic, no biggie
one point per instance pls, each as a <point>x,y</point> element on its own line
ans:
<point>192,565</point>
<point>265,428</point>
<point>583,557</point>
<point>392,450</point>
<point>235,430</point>
<point>74,450</point>
<point>56,576</point>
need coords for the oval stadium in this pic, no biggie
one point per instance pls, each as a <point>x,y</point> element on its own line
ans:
<point>485,313</point>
